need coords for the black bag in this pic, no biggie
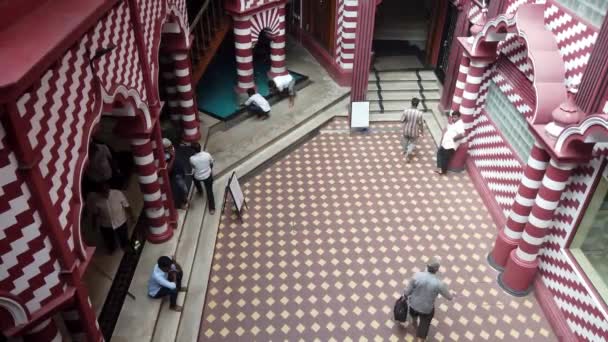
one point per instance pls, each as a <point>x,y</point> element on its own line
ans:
<point>400,310</point>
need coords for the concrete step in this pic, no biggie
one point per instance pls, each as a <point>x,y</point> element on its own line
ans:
<point>403,85</point>
<point>399,106</point>
<point>401,95</point>
<point>404,75</point>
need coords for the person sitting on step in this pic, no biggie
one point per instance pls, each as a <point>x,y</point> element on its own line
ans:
<point>166,280</point>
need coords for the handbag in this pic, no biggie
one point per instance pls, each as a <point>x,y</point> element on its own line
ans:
<point>400,310</point>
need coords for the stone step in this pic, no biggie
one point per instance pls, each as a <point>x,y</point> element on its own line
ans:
<point>402,95</point>
<point>374,106</point>
<point>403,85</point>
<point>404,75</point>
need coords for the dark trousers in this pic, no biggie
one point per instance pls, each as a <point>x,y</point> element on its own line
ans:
<point>423,321</point>
<point>165,291</point>
<point>443,158</point>
<point>109,235</point>
<point>208,188</point>
<point>257,110</point>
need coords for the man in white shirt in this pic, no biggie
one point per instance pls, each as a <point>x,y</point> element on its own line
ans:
<point>110,210</point>
<point>449,142</point>
<point>257,104</point>
<point>166,280</point>
<point>284,84</point>
<point>202,165</point>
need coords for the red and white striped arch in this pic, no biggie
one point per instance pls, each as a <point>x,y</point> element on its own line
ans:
<point>573,295</point>
<point>271,22</point>
<point>574,38</point>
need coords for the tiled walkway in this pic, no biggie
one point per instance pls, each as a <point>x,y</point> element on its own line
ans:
<point>334,230</point>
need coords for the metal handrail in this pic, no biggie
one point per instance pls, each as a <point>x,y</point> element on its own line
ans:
<point>199,15</point>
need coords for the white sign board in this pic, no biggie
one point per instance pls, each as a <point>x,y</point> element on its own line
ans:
<point>359,115</point>
<point>237,193</point>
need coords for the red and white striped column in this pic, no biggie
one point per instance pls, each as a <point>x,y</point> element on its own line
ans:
<point>509,237</point>
<point>244,53</point>
<point>468,105</point>
<point>461,81</point>
<point>278,66</point>
<point>44,332</point>
<point>522,264</point>
<point>164,181</point>
<point>168,74</point>
<point>143,154</point>
<point>185,95</point>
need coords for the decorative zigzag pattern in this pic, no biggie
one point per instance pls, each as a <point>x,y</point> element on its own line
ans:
<point>268,20</point>
<point>517,52</point>
<point>582,311</point>
<point>151,14</point>
<point>574,39</point>
<point>491,154</point>
<point>30,270</point>
<point>58,112</point>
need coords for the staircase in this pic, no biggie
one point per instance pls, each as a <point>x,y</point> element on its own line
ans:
<point>208,29</point>
<point>391,91</point>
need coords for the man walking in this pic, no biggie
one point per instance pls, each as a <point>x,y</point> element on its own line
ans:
<point>413,128</point>
<point>166,280</point>
<point>257,104</point>
<point>454,133</point>
<point>202,165</point>
<point>421,293</point>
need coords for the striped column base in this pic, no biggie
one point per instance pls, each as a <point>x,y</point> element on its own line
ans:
<point>518,277</point>
<point>459,159</point>
<point>502,248</point>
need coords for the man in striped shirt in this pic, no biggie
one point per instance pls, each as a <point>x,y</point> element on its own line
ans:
<point>413,128</point>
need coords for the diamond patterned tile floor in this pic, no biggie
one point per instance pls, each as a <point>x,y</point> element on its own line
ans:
<point>333,232</point>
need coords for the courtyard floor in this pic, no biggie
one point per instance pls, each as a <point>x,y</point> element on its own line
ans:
<point>332,233</point>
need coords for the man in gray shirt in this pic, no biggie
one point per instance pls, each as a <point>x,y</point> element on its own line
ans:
<point>421,293</point>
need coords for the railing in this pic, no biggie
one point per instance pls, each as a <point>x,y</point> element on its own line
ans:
<point>204,26</point>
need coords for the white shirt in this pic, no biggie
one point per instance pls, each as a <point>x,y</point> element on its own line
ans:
<point>201,164</point>
<point>282,81</point>
<point>159,279</point>
<point>457,128</point>
<point>110,212</point>
<point>260,101</point>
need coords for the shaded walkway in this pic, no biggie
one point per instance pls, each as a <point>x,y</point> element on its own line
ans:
<point>333,231</point>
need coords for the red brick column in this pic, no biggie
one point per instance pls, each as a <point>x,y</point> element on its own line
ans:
<point>164,181</point>
<point>185,95</point>
<point>154,210</point>
<point>467,109</point>
<point>244,53</point>
<point>456,51</point>
<point>523,262</point>
<point>168,75</point>
<point>510,236</point>
<point>278,66</point>
<point>366,15</point>
<point>461,81</point>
